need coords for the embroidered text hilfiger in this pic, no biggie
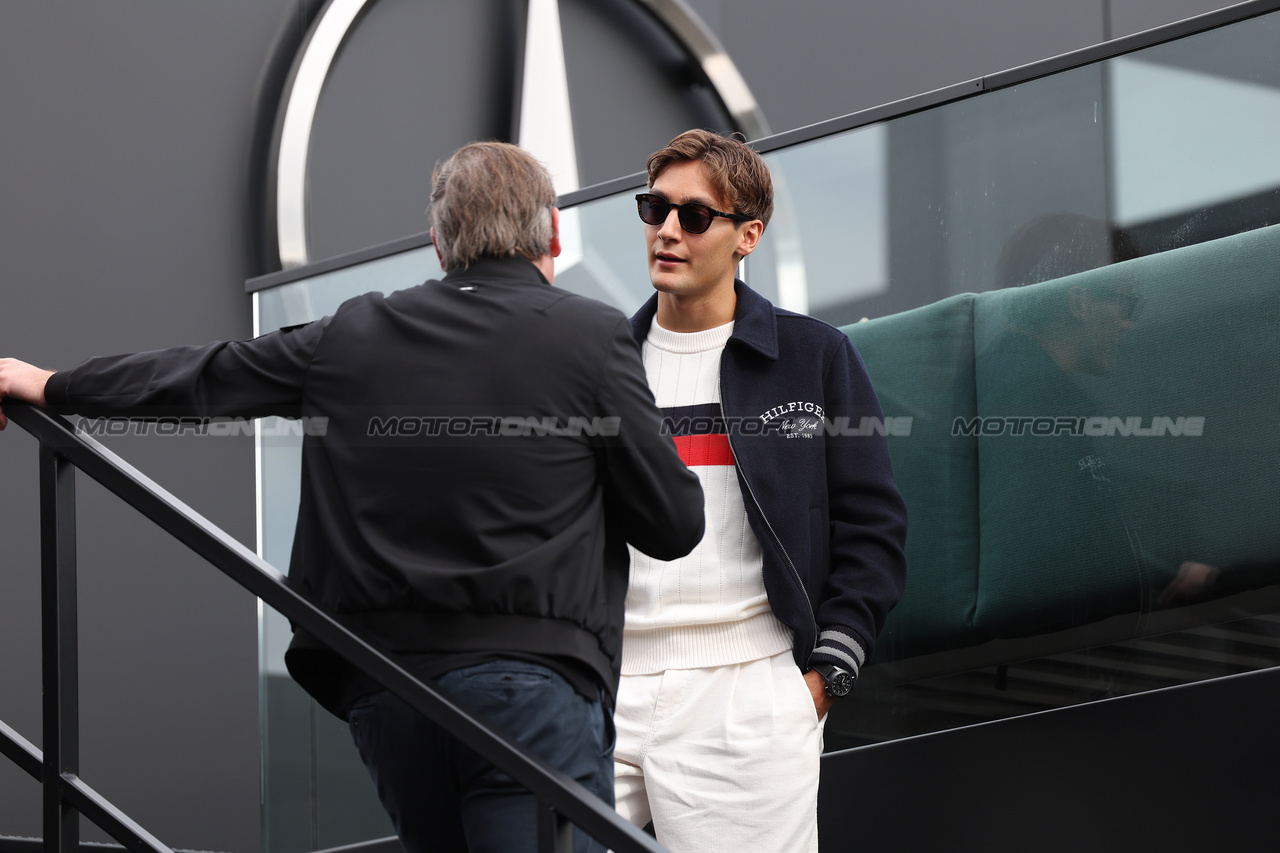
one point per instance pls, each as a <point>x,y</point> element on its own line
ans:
<point>786,408</point>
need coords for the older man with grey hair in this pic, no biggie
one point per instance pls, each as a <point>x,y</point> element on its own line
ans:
<point>492,447</point>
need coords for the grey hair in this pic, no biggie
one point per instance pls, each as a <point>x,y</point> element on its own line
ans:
<point>490,199</point>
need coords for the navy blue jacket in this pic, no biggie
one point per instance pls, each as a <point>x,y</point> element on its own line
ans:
<point>820,494</point>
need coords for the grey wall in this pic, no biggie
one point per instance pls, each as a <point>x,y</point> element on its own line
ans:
<point>129,219</point>
<point>124,201</point>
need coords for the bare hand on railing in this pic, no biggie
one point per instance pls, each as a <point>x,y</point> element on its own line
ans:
<point>21,381</point>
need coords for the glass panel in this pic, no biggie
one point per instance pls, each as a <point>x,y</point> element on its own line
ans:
<point>320,295</point>
<point>1170,123</point>
<point>1074,304</point>
<point>604,255</point>
<point>1194,125</point>
<point>318,794</point>
<point>1082,463</point>
<point>828,242</point>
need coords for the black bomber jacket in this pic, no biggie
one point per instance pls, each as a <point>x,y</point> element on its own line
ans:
<point>478,452</point>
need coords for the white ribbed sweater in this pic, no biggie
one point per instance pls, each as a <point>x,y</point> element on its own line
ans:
<point>708,608</point>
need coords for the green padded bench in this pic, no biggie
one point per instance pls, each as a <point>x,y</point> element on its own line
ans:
<point>1074,441</point>
<point>921,363</point>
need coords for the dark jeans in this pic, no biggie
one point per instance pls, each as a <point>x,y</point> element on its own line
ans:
<point>443,797</point>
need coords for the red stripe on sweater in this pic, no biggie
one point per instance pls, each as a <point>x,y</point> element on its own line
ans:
<point>704,449</point>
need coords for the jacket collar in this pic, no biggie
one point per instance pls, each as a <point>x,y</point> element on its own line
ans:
<point>754,321</point>
<point>511,267</point>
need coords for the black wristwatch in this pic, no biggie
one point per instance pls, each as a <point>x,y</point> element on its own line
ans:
<point>839,681</point>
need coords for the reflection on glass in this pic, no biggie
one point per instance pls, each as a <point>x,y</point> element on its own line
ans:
<point>1186,140</point>
<point>835,202</point>
<point>320,295</point>
<point>1084,481</point>
<point>613,268</point>
<point>317,793</point>
<point>887,706</point>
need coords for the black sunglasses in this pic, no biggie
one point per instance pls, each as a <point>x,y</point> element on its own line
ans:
<point>694,218</point>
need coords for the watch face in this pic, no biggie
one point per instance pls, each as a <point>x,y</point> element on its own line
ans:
<point>839,683</point>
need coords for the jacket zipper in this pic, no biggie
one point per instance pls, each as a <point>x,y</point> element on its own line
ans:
<point>804,594</point>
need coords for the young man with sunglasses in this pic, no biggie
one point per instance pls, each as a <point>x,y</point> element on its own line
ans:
<point>733,655</point>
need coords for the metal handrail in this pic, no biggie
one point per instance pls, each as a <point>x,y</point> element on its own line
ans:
<point>62,450</point>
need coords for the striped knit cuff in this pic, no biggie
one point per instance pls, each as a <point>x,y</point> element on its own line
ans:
<point>841,649</point>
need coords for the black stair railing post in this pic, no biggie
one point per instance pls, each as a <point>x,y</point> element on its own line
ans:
<point>555,833</point>
<point>59,638</point>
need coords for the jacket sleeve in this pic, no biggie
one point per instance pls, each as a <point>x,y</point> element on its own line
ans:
<point>249,379</point>
<point>868,522</point>
<point>651,497</point>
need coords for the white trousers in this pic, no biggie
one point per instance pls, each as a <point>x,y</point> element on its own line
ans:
<point>721,759</point>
